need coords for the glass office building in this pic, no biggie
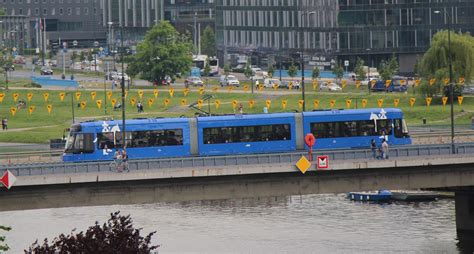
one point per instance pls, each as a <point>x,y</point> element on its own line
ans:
<point>338,29</point>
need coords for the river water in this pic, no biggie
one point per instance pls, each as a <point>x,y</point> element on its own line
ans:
<point>292,224</point>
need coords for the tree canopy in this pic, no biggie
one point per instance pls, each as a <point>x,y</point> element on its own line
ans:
<point>116,236</point>
<point>208,42</point>
<point>315,73</point>
<point>435,62</point>
<point>359,69</point>
<point>338,71</point>
<point>293,70</point>
<point>388,68</point>
<point>163,52</point>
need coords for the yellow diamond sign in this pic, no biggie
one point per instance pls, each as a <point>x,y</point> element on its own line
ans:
<point>303,164</point>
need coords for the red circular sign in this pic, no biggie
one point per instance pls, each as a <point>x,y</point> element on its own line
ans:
<point>309,139</point>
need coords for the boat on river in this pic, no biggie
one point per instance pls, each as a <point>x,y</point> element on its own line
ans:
<point>414,196</point>
<point>374,196</point>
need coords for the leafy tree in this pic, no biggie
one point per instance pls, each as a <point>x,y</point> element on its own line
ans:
<point>116,236</point>
<point>90,57</point>
<point>435,62</point>
<point>163,52</point>
<point>2,239</point>
<point>338,71</point>
<point>271,69</point>
<point>315,73</point>
<point>2,11</point>
<point>208,42</point>
<point>74,56</point>
<point>388,68</point>
<point>82,56</point>
<point>207,71</point>
<point>226,69</point>
<point>292,70</point>
<point>359,69</point>
<point>248,69</point>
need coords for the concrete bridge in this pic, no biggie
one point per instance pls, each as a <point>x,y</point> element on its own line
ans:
<point>82,184</point>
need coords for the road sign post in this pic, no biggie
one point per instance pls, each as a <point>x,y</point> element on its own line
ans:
<point>8,179</point>
<point>323,162</point>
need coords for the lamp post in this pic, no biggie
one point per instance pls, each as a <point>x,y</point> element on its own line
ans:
<point>451,88</point>
<point>302,48</point>
<point>367,50</point>
<point>123,87</point>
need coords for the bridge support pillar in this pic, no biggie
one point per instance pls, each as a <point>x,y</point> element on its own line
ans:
<point>465,220</point>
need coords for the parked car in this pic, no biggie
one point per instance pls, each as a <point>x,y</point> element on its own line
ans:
<point>269,82</point>
<point>240,68</point>
<point>118,76</point>
<point>46,70</point>
<point>229,80</point>
<point>192,80</point>
<point>110,75</point>
<point>257,71</point>
<point>330,87</point>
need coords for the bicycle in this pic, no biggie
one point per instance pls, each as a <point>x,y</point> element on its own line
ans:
<point>118,165</point>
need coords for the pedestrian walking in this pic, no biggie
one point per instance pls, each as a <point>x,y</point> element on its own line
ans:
<point>140,107</point>
<point>384,148</point>
<point>373,147</point>
<point>5,124</point>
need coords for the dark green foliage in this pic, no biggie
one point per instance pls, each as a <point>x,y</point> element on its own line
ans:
<point>207,69</point>
<point>2,239</point>
<point>115,236</point>
<point>208,42</point>
<point>271,69</point>
<point>315,73</point>
<point>82,56</point>
<point>435,62</point>
<point>359,69</point>
<point>226,69</point>
<point>338,71</point>
<point>293,70</point>
<point>248,69</point>
<point>388,68</point>
<point>163,52</point>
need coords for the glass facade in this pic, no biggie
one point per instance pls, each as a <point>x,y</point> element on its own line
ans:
<point>344,29</point>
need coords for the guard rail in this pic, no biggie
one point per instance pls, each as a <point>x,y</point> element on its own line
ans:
<point>254,159</point>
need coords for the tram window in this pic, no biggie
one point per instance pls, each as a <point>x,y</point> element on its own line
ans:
<point>398,129</point>
<point>83,143</point>
<point>105,140</point>
<point>349,129</point>
<point>169,137</point>
<point>366,128</point>
<point>118,139</point>
<point>384,126</point>
<point>326,130</point>
<point>255,133</point>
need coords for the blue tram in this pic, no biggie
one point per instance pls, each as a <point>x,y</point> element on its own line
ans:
<point>235,134</point>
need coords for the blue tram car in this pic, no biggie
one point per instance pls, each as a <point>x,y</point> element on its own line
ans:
<point>235,134</point>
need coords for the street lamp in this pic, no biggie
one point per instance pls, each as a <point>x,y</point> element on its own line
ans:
<point>123,87</point>
<point>451,88</point>
<point>302,47</point>
<point>367,50</point>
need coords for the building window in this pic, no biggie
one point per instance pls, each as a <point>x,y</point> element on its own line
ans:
<point>61,11</point>
<point>78,11</point>
<point>53,11</point>
<point>69,11</point>
<point>37,12</point>
<point>86,11</point>
<point>45,11</point>
<point>20,11</point>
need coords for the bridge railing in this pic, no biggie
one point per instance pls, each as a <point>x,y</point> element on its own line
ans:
<point>216,161</point>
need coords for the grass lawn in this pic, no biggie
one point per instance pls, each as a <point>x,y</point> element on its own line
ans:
<point>40,126</point>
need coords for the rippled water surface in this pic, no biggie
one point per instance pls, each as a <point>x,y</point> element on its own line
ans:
<point>296,224</point>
